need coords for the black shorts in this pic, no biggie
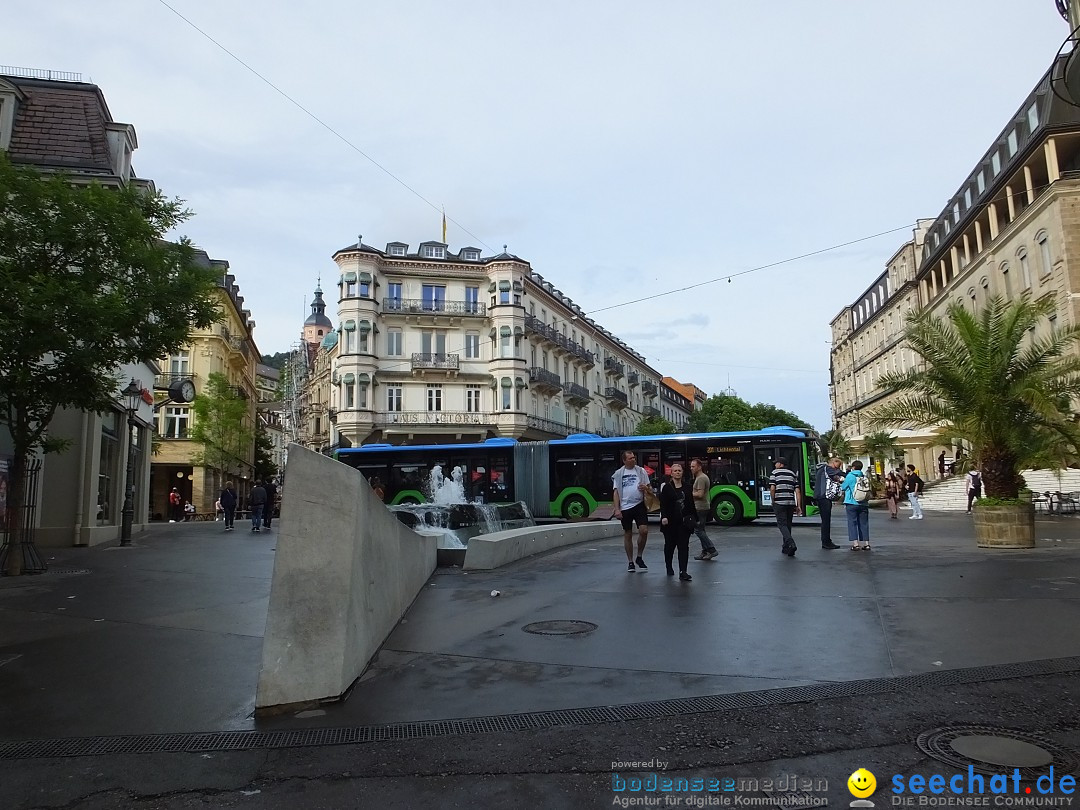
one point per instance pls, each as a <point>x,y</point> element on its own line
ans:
<point>635,513</point>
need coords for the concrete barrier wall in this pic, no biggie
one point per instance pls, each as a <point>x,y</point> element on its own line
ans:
<point>345,571</point>
<point>488,551</point>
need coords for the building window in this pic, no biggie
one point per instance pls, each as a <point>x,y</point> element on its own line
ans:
<point>1012,143</point>
<point>472,300</point>
<point>995,163</point>
<point>1033,117</point>
<point>393,398</point>
<point>472,398</point>
<point>350,396</point>
<point>365,289</point>
<point>1025,269</point>
<point>393,295</point>
<point>504,296</point>
<point>364,341</point>
<point>504,347</point>
<point>179,364</point>
<point>362,396</point>
<point>1044,253</point>
<point>1006,280</point>
<point>434,397</point>
<point>472,345</point>
<point>433,252</point>
<point>506,398</point>
<point>432,342</point>
<point>394,343</point>
<point>434,298</point>
<point>350,289</point>
<point>397,250</point>
<point>107,465</point>
<point>176,422</point>
<point>348,342</point>
<point>980,182</point>
<point>956,213</point>
<point>967,198</point>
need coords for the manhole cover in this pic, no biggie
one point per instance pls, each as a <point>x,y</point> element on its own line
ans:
<point>561,627</point>
<point>988,750</point>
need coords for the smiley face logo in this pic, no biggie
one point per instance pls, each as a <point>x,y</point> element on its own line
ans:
<point>861,783</point>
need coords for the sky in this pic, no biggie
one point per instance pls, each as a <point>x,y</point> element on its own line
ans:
<point>624,149</point>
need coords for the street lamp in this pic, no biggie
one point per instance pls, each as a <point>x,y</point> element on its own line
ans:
<point>133,395</point>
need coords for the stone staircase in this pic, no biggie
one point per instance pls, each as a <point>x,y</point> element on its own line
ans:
<point>951,495</point>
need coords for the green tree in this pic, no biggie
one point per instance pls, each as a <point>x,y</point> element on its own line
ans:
<point>770,415</point>
<point>836,445</point>
<point>265,467</point>
<point>990,381</point>
<point>654,426</point>
<point>881,446</point>
<point>87,284</point>
<point>222,425</point>
<point>723,412</point>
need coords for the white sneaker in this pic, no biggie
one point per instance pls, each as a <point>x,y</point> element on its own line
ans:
<point>920,517</point>
<point>912,517</point>
<point>172,521</point>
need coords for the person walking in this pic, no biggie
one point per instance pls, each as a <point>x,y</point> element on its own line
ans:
<point>941,465</point>
<point>974,487</point>
<point>227,499</point>
<point>176,506</point>
<point>630,483</point>
<point>827,480</point>
<point>257,502</point>
<point>914,490</point>
<point>858,512</point>
<point>786,501</point>
<point>678,517</point>
<point>701,486</point>
<point>892,494</point>
<point>271,502</point>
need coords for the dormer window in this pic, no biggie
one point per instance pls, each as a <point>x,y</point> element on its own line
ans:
<point>396,249</point>
<point>433,252</point>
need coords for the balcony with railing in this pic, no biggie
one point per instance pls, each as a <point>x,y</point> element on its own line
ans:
<point>614,367</point>
<point>576,394</point>
<point>633,378</point>
<point>549,426</point>
<point>650,410</point>
<point>544,381</point>
<point>535,326</point>
<point>649,389</point>
<point>435,362</point>
<point>163,381</point>
<point>616,397</point>
<point>420,306</point>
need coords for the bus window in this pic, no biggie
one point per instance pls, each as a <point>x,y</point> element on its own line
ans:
<point>406,476</point>
<point>572,472</point>
<point>650,460</point>
<point>608,461</point>
<point>500,481</point>
<point>675,457</point>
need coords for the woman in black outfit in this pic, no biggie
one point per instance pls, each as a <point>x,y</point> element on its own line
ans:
<point>677,519</point>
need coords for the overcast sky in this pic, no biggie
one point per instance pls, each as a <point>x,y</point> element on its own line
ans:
<point>624,149</point>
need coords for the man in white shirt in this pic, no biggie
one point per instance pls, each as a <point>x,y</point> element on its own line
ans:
<point>629,485</point>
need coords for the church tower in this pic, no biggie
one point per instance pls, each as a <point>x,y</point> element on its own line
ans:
<point>317,325</point>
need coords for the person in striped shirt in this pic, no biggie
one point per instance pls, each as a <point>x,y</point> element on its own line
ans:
<point>786,501</point>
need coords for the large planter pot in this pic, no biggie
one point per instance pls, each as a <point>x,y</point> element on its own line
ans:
<point>1011,526</point>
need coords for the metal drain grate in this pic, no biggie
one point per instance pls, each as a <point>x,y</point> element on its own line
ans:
<point>560,627</point>
<point>939,744</point>
<point>263,740</point>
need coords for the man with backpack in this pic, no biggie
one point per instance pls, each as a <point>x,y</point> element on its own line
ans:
<point>974,487</point>
<point>827,480</point>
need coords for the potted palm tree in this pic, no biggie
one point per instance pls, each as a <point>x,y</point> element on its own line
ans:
<point>991,379</point>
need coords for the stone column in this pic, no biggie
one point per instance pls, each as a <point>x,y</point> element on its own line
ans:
<point>1029,184</point>
<point>1053,170</point>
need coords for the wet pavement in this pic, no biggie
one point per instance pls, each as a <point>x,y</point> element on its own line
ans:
<point>165,639</point>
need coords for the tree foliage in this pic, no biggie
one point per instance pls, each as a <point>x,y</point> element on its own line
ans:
<point>655,426</point>
<point>223,426</point>
<point>881,446</point>
<point>265,468</point>
<point>725,412</point>
<point>836,445</point>
<point>994,382</point>
<point>87,284</point>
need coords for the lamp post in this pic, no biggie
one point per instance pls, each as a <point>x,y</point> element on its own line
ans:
<point>132,394</point>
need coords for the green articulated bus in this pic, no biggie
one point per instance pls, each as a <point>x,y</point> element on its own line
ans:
<point>571,477</point>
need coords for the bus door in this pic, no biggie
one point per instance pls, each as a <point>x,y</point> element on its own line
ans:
<point>765,457</point>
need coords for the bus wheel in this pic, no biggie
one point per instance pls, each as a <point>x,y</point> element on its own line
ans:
<point>575,508</point>
<point>726,509</point>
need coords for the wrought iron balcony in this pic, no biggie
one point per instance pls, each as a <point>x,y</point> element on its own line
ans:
<point>163,381</point>
<point>441,362</point>
<point>535,326</point>
<point>633,378</point>
<point>617,396</point>
<point>548,426</point>
<point>576,394</point>
<point>614,367</point>
<point>420,306</point>
<point>650,410</point>
<point>544,380</point>
<point>649,389</point>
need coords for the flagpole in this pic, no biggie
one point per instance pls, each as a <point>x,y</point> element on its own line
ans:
<point>444,225</point>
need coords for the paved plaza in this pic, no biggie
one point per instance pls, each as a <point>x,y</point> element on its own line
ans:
<point>762,665</point>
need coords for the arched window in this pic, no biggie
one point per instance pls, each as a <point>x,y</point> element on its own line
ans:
<point>1025,268</point>
<point>1042,238</point>
<point>1006,280</point>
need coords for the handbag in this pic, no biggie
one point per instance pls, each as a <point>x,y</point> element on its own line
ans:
<point>689,522</point>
